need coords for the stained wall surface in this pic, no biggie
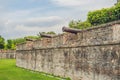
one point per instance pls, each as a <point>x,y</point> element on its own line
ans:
<point>7,54</point>
<point>92,54</point>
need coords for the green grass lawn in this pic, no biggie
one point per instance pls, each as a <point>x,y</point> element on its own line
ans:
<point>9,71</point>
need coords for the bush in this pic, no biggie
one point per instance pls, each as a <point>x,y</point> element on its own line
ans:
<point>98,17</point>
<point>79,25</point>
<point>105,15</point>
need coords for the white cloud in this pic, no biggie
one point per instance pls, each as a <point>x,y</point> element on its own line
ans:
<point>30,26</point>
<point>71,2</point>
<point>43,19</point>
<point>42,24</point>
<point>84,3</point>
<point>37,21</point>
<point>26,28</point>
<point>55,28</point>
<point>19,13</point>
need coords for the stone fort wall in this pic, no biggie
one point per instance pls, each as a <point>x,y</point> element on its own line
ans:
<point>7,54</point>
<point>92,54</point>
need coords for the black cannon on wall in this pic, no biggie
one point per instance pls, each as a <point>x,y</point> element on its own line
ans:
<point>70,30</point>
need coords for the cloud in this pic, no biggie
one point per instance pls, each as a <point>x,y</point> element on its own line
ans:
<point>39,24</point>
<point>55,28</point>
<point>37,21</point>
<point>33,25</point>
<point>2,26</point>
<point>92,4</point>
<point>43,21</point>
<point>71,2</point>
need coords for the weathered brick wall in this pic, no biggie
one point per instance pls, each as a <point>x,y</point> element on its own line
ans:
<point>92,54</point>
<point>7,54</point>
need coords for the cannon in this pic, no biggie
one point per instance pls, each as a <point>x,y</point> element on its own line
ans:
<point>70,30</point>
<point>46,35</point>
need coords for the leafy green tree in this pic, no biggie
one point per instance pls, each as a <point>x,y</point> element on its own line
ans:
<point>19,41</point>
<point>10,44</point>
<point>73,24</point>
<point>2,42</point>
<point>104,15</point>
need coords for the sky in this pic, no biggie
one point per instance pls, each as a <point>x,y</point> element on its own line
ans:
<point>19,18</point>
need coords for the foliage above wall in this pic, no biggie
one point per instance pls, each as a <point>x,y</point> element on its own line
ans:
<point>104,15</point>
<point>11,43</point>
<point>98,17</point>
<point>79,24</point>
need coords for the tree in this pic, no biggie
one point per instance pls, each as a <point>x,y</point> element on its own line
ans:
<point>104,15</point>
<point>73,24</point>
<point>2,42</point>
<point>10,44</point>
<point>19,41</point>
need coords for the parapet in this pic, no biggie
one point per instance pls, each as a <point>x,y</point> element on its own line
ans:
<point>7,54</point>
<point>108,33</point>
<point>6,51</point>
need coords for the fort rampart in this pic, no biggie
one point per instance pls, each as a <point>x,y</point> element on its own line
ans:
<point>7,54</point>
<point>92,54</point>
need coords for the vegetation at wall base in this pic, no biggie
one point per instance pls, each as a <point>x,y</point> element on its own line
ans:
<point>9,71</point>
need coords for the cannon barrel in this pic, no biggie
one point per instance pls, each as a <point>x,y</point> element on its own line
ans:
<point>70,30</point>
<point>46,35</point>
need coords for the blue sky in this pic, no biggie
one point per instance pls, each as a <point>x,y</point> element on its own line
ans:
<point>19,18</point>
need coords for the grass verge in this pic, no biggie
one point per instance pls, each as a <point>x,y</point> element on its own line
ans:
<point>9,71</point>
